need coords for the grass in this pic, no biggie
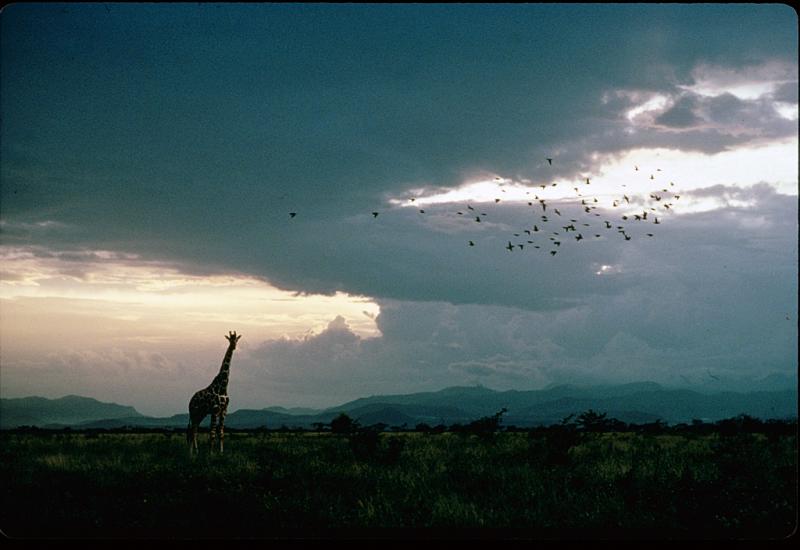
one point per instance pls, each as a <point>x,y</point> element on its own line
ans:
<point>272,484</point>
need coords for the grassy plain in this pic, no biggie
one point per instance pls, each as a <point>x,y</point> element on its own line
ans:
<point>305,484</point>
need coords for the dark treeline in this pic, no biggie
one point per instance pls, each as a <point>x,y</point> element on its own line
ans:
<point>588,421</point>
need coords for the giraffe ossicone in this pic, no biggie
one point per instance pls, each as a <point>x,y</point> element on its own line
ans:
<point>212,400</point>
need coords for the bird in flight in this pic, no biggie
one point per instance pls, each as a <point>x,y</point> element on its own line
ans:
<point>550,161</point>
<point>471,243</point>
<point>510,246</point>
<point>292,214</point>
<point>375,214</point>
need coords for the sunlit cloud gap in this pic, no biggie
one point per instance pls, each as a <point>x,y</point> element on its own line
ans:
<point>656,103</point>
<point>639,174</point>
<point>788,111</point>
<point>746,83</point>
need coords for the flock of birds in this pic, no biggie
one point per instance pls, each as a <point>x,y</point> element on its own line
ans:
<point>541,235</point>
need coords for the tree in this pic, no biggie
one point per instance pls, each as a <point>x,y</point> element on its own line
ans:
<point>343,424</point>
<point>560,438</point>
<point>487,426</point>
<point>591,421</point>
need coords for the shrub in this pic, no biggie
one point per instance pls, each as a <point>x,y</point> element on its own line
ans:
<point>485,427</point>
<point>343,424</point>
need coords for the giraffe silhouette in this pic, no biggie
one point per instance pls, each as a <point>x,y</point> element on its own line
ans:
<point>212,400</point>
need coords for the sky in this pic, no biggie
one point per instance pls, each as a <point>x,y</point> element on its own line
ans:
<point>152,155</point>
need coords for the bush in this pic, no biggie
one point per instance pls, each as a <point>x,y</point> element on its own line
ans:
<point>343,424</point>
<point>364,443</point>
<point>366,446</point>
<point>560,439</point>
<point>485,427</point>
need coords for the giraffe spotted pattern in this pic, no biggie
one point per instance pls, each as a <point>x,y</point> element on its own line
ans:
<point>212,400</point>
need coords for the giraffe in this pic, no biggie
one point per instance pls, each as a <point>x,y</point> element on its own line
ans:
<point>212,400</point>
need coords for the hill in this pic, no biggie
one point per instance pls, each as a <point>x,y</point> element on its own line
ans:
<point>640,402</point>
<point>68,410</point>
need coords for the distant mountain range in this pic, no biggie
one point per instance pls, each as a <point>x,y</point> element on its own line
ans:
<point>71,410</point>
<point>638,403</point>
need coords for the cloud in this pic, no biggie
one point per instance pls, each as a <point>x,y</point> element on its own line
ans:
<point>681,114</point>
<point>151,381</point>
<point>786,92</point>
<point>712,291</point>
<point>747,82</point>
<point>707,296</point>
<point>189,148</point>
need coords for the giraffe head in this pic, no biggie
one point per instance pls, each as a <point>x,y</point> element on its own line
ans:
<point>233,338</point>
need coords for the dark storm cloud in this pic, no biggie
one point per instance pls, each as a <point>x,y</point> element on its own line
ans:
<point>713,292</point>
<point>758,116</point>
<point>786,92</point>
<point>187,134</point>
<point>681,114</point>
<point>691,122</point>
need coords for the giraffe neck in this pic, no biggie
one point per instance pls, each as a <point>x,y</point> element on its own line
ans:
<point>220,383</point>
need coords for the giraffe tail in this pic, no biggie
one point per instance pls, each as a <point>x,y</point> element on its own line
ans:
<point>189,434</point>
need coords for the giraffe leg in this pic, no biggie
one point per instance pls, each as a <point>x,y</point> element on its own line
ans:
<point>221,428</point>
<point>213,431</point>
<point>191,436</point>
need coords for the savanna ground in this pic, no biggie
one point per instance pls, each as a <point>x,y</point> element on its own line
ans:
<point>528,484</point>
